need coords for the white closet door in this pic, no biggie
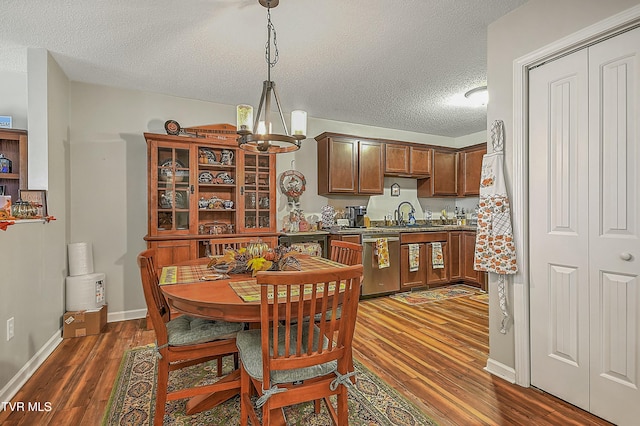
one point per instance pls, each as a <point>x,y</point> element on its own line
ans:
<point>614,237</point>
<point>584,216</point>
<point>558,228</point>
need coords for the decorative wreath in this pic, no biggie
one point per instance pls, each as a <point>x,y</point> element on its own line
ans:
<point>292,184</point>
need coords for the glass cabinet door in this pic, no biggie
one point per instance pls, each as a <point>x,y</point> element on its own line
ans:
<point>173,192</point>
<point>258,192</point>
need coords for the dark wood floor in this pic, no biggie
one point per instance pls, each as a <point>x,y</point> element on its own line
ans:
<point>434,354</point>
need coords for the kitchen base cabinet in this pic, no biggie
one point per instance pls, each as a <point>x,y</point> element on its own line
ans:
<point>437,277</point>
<point>408,278</point>
<point>433,277</point>
<point>462,248</point>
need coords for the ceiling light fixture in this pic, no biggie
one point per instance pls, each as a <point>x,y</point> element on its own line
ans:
<point>256,136</point>
<point>478,96</point>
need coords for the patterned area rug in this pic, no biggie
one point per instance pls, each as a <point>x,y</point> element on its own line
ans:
<point>435,295</point>
<point>132,402</point>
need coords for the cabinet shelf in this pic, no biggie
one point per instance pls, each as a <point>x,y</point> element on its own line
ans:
<point>9,176</point>
<point>216,210</point>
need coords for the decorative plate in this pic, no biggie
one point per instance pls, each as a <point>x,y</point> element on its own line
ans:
<point>207,156</point>
<point>223,177</point>
<point>172,127</point>
<point>168,166</point>
<point>205,177</point>
<point>179,198</point>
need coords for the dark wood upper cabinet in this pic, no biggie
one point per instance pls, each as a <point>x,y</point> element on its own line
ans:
<point>396,160</point>
<point>407,160</point>
<point>444,176</point>
<point>421,161</point>
<point>370,168</point>
<point>470,170</point>
<point>349,165</point>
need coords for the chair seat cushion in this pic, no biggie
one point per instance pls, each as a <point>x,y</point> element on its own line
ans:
<point>318,317</point>
<point>187,330</point>
<point>249,345</point>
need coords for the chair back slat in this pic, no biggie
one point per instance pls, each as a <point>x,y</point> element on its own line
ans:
<point>157,306</point>
<point>346,253</point>
<point>289,339</point>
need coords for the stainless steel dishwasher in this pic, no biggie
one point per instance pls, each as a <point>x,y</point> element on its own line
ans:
<point>380,280</point>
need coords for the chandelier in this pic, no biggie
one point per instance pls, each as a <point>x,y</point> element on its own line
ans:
<point>256,135</point>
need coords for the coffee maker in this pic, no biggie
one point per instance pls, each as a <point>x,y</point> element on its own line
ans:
<point>356,216</point>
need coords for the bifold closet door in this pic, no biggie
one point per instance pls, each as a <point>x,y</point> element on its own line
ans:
<point>584,218</point>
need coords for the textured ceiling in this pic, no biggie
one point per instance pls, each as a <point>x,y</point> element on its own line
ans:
<point>399,64</point>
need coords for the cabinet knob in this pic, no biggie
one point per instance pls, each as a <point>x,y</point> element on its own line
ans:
<point>626,256</point>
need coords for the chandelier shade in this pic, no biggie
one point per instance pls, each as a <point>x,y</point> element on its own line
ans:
<point>255,131</point>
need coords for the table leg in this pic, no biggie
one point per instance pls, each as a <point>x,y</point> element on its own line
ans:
<point>205,402</point>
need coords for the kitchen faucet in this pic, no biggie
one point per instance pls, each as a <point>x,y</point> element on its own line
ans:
<point>399,215</point>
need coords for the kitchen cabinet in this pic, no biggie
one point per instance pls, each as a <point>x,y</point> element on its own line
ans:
<point>470,170</point>
<point>421,161</point>
<point>204,192</point>
<point>408,278</point>
<point>444,176</point>
<point>349,165</point>
<point>432,277</point>
<point>397,158</point>
<point>13,146</point>
<point>462,254</point>
<point>407,160</point>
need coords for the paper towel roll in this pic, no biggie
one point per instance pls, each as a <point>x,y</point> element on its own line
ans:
<point>85,292</point>
<point>80,259</point>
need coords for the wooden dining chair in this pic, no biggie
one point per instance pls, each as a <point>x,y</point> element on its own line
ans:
<point>289,360</point>
<point>345,252</point>
<point>185,341</point>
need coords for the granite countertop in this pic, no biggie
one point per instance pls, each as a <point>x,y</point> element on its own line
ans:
<point>399,229</point>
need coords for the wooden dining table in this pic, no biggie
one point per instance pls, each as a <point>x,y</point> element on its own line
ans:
<point>190,288</point>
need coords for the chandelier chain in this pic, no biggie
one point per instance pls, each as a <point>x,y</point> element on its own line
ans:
<point>271,28</point>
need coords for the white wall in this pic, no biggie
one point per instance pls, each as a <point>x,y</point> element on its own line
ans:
<point>526,29</point>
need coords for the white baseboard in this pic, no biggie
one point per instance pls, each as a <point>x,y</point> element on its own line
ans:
<point>16,383</point>
<point>126,315</point>
<point>503,371</point>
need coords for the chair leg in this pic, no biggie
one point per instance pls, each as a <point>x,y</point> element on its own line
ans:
<point>220,366</point>
<point>161,393</point>
<point>342,407</point>
<point>245,385</point>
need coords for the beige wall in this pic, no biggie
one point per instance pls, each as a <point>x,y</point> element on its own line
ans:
<point>526,29</point>
<point>109,173</point>
<point>33,255</point>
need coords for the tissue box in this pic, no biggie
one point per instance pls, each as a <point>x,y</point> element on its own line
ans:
<point>84,323</point>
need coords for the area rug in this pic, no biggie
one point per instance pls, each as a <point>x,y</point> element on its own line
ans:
<point>132,401</point>
<point>482,297</point>
<point>435,295</point>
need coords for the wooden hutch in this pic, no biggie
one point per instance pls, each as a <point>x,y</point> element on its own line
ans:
<point>206,194</point>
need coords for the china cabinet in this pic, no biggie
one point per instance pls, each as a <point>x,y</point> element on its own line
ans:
<point>13,148</point>
<point>203,193</point>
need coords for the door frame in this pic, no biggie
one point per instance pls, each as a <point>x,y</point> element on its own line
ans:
<point>520,199</point>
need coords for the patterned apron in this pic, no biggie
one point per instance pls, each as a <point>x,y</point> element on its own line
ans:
<point>495,250</point>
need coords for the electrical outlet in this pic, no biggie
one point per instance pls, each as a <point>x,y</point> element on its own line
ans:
<point>10,330</point>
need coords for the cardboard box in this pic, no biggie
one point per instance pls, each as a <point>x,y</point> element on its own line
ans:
<point>84,323</point>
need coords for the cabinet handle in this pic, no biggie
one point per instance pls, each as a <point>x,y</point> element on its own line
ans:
<point>242,190</point>
<point>192,189</point>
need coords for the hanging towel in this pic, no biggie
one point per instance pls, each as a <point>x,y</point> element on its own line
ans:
<point>382,247</point>
<point>437,259</point>
<point>414,257</point>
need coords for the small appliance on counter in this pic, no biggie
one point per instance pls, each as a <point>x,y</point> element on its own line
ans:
<point>356,215</point>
